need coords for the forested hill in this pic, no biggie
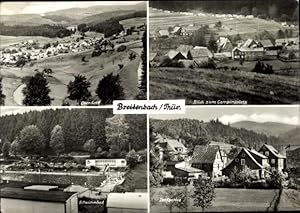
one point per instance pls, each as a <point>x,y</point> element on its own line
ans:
<point>276,9</point>
<point>78,125</point>
<point>197,132</point>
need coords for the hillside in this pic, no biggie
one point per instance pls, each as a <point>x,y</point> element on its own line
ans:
<point>68,17</point>
<point>291,137</point>
<point>89,11</point>
<point>197,132</point>
<point>268,128</point>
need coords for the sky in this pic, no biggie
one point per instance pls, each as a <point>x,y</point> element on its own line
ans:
<point>36,7</point>
<point>232,114</point>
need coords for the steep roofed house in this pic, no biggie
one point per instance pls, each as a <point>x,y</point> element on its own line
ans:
<point>209,159</point>
<point>224,46</point>
<point>250,43</point>
<point>276,160</point>
<point>201,54</point>
<point>185,50</point>
<point>249,158</point>
<point>266,44</point>
<point>176,31</point>
<point>175,55</point>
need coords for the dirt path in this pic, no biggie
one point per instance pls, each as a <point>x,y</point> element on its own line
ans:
<point>18,95</point>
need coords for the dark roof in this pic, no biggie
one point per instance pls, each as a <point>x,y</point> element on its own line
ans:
<point>204,154</point>
<point>35,195</point>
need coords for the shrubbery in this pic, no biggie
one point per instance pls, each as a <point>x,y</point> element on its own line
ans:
<point>260,67</point>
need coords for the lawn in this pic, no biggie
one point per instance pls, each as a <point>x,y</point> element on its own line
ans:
<point>137,177</point>
<point>229,200</point>
<point>64,67</point>
<point>231,25</point>
<point>289,200</point>
<point>206,84</point>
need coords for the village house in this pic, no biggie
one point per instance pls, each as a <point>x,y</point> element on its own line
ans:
<point>183,170</point>
<point>163,33</point>
<point>38,198</point>
<point>209,159</point>
<point>100,163</point>
<point>175,55</point>
<point>201,55</point>
<point>176,31</point>
<point>248,158</point>
<point>276,160</point>
<point>185,50</point>
<point>248,53</point>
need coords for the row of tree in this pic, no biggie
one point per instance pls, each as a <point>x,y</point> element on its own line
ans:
<point>36,92</point>
<point>276,9</point>
<point>46,30</point>
<point>61,131</point>
<point>195,132</point>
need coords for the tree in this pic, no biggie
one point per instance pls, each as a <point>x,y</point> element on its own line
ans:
<point>212,44</point>
<point>273,11</point>
<point>109,89</point>
<point>90,146</point>
<point>254,11</point>
<point>218,24</point>
<point>14,148</point>
<point>116,132</point>
<point>57,140</point>
<point>31,140</point>
<point>280,34</point>
<point>2,96</point>
<point>203,192</point>
<point>143,80</point>
<point>37,91</point>
<point>175,198</point>
<point>198,38</point>
<point>78,89</point>
<point>132,158</point>
<point>5,149</point>
<point>245,11</point>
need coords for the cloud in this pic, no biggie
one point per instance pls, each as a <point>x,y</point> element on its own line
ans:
<point>259,117</point>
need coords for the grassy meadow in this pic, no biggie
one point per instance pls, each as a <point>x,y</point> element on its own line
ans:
<point>207,84</point>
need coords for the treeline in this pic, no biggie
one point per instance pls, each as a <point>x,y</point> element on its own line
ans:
<point>287,10</point>
<point>46,30</point>
<point>110,26</point>
<point>79,126</point>
<point>196,132</point>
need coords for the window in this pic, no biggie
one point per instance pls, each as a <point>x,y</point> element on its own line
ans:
<point>267,153</point>
<point>272,161</point>
<point>236,160</point>
<point>242,162</point>
<point>243,154</point>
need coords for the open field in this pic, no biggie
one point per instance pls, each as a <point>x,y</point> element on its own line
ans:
<point>206,84</point>
<point>289,200</point>
<point>64,67</point>
<point>229,200</point>
<point>231,25</point>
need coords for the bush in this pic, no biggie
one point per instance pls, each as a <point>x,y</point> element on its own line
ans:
<point>260,67</point>
<point>121,48</point>
<point>132,158</point>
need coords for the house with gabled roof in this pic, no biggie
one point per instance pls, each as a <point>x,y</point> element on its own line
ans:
<point>185,50</point>
<point>209,159</point>
<point>175,55</point>
<point>248,158</point>
<point>163,33</point>
<point>201,54</point>
<point>276,160</point>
